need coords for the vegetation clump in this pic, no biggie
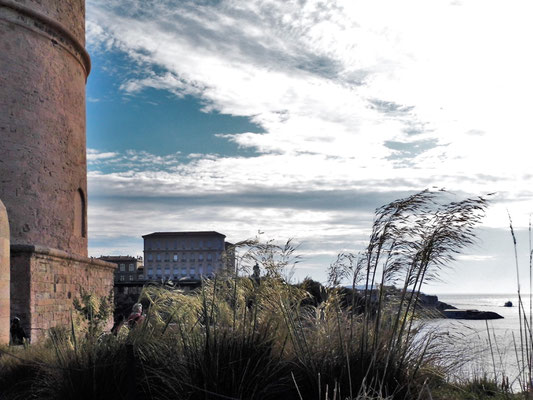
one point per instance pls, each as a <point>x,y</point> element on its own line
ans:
<point>242,337</point>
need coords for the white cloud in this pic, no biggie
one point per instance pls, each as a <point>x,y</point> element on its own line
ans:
<point>94,155</point>
<point>361,96</point>
<point>309,72</point>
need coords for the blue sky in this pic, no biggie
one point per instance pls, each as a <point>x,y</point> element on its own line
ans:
<point>154,120</point>
<point>299,118</point>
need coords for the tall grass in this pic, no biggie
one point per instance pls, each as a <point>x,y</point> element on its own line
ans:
<point>244,338</point>
<point>524,344</point>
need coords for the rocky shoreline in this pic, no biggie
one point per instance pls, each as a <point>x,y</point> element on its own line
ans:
<point>449,311</point>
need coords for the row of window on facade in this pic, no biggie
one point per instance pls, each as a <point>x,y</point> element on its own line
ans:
<point>131,267</point>
<point>191,271</point>
<point>183,244</point>
<point>183,273</point>
<point>175,257</point>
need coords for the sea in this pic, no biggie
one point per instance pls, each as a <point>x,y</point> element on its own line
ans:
<point>489,348</point>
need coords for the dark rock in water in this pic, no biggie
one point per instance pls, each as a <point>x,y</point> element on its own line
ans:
<point>432,301</point>
<point>508,304</point>
<point>470,314</point>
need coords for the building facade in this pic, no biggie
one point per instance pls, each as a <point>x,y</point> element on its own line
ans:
<point>182,256</point>
<point>129,268</point>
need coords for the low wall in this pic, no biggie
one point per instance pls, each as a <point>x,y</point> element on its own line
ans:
<point>45,281</point>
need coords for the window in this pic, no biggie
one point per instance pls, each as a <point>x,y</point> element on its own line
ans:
<point>122,267</point>
<point>175,257</point>
<point>167,271</point>
<point>200,257</point>
<point>131,277</point>
<point>140,277</point>
<point>192,271</point>
<point>209,269</point>
<point>158,244</point>
<point>158,257</point>
<point>209,257</point>
<point>121,278</point>
<point>150,257</point>
<point>131,268</point>
<point>200,271</point>
<point>201,244</point>
<point>175,244</point>
<point>159,271</point>
<point>150,271</point>
<point>184,271</point>
<point>80,214</point>
<point>167,257</point>
<point>148,244</point>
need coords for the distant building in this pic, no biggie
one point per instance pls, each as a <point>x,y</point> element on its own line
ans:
<point>185,256</point>
<point>129,275</point>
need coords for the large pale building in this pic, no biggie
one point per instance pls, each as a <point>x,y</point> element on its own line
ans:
<point>185,255</point>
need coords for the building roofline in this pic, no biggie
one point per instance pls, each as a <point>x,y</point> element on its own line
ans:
<point>118,258</point>
<point>184,233</point>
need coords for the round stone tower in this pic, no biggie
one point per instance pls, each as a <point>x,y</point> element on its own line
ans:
<point>43,71</point>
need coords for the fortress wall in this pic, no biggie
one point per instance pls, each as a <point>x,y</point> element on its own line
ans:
<point>43,168</point>
<point>45,283</point>
<point>68,13</point>
<point>43,70</point>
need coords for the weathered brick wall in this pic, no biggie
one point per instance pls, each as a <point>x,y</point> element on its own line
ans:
<point>43,70</point>
<point>45,282</point>
<point>4,275</point>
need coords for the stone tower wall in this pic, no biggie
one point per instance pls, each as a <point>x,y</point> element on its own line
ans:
<point>43,171</point>
<point>43,70</point>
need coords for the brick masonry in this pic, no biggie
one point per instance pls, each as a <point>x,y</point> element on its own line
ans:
<point>45,281</point>
<point>43,70</point>
<point>43,169</point>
